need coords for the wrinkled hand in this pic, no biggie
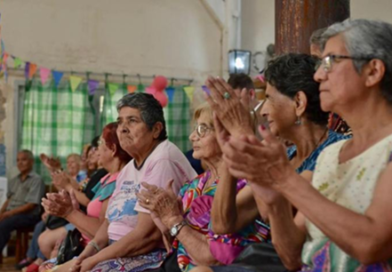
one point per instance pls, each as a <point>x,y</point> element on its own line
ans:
<point>263,163</point>
<point>61,180</point>
<point>234,115</point>
<point>162,204</point>
<point>58,204</point>
<point>51,163</point>
<point>88,264</point>
<point>87,253</point>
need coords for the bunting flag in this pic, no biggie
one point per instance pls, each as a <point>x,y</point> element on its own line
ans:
<point>27,70</point>
<point>170,93</point>
<point>92,86</point>
<point>131,88</point>
<point>32,70</point>
<point>189,90</point>
<point>140,88</point>
<point>44,74</point>
<point>113,87</point>
<point>205,89</point>
<point>57,76</point>
<point>17,62</point>
<point>75,81</point>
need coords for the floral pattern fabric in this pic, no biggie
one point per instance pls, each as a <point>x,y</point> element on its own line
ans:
<point>197,203</point>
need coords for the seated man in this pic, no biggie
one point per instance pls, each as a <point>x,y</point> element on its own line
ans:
<point>22,207</point>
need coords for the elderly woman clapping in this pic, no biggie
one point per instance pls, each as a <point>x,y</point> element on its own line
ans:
<point>344,220</point>
<point>189,223</point>
<point>128,239</point>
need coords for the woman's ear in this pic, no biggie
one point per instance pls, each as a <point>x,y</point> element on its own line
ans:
<point>114,150</point>
<point>301,102</point>
<point>374,72</point>
<point>157,128</point>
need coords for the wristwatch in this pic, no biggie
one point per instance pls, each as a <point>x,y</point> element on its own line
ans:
<point>175,230</point>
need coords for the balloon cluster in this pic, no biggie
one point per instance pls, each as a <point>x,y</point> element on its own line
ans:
<point>157,88</point>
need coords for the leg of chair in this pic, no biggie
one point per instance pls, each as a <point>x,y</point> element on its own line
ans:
<point>19,246</point>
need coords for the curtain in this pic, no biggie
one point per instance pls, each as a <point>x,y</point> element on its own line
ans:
<point>178,118</point>
<point>56,121</point>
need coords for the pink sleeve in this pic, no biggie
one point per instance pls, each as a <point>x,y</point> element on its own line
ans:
<point>159,174</point>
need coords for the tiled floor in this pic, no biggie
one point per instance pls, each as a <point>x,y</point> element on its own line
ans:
<point>8,265</point>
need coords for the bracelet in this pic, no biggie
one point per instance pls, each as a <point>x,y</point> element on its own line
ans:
<point>94,245</point>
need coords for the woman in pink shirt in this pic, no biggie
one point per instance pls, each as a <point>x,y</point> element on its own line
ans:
<point>113,158</point>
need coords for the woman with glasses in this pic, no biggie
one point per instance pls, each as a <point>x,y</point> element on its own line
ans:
<point>344,219</point>
<point>291,111</point>
<point>193,240</point>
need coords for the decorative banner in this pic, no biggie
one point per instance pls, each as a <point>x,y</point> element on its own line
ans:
<point>5,57</point>
<point>112,88</point>
<point>17,62</point>
<point>75,81</point>
<point>57,76</point>
<point>44,74</point>
<point>27,70</point>
<point>151,90</point>
<point>205,89</point>
<point>140,88</point>
<point>131,88</point>
<point>32,70</point>
<point>189,90</point>
<point>170,93</point>
<point>92,86</point>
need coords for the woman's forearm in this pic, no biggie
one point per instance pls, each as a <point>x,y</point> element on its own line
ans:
<point>87,225</point>
<point>195,243</point>
<point>287,238</point>
<point>224,210</point>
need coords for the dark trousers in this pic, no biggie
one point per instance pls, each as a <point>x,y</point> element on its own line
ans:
<point>15,222</point>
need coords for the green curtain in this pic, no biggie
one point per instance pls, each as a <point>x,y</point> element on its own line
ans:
<point>56,121</point>
<point>109,110</point>
<point>178,118</point>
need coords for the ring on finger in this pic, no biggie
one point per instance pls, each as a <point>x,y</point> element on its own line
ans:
<point>226,95</point>
<point>147,201</point>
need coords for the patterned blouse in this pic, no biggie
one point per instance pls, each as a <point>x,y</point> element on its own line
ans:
<point>197,202</point>
<point>351,185</point>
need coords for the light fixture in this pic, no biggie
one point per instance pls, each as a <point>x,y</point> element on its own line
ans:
<point>239,61</point>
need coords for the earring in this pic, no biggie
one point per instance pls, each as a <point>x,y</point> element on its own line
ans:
<point>298,122</point>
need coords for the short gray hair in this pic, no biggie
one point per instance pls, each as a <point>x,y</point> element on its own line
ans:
<point>151,111</point>
<point>366,39</point>
<point>28,153</point>
<point>316,37</point>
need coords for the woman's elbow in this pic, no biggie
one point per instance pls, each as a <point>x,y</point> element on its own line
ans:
<point>371,253</point>
<point>222,228</point>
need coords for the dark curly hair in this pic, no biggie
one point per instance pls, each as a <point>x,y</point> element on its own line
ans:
<point>291,73</point>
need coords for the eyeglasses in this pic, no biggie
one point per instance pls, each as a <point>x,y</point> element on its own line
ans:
<point>328,60</point>
<point>201,129</point>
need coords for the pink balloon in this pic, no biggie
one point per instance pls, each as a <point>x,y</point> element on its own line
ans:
<point>151,90</point>
<point>162,98</point>
<point>159,83</point>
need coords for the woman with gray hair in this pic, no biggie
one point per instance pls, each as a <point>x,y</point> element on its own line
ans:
<point>128,239</point>
<point>344,219</point>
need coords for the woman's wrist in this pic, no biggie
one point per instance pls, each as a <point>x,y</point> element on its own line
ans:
<point>171,221</point>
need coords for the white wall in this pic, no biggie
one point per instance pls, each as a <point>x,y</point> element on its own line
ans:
<point>175,38</point>
<point>372,9</point>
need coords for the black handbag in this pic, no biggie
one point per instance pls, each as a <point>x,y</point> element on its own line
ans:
<point>260,257</point>
<point>54,222</point>
<point>71,246</point>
